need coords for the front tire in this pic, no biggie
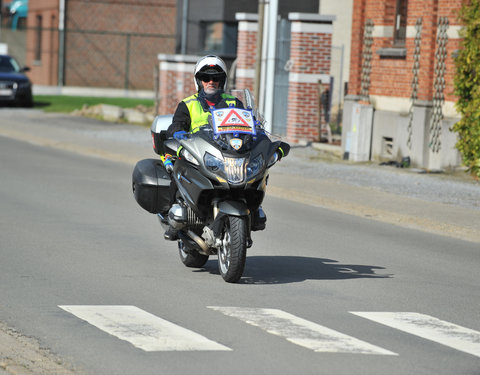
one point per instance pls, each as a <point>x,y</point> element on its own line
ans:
<point>232,254</point>
<point>192,259</point>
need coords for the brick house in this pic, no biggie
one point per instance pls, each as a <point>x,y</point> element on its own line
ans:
<point>108,43</point>
<point>401,82</point>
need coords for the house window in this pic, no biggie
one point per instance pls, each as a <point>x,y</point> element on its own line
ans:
<point>400,27</point>
<point>38,39</point>
<point>213,36</point>
<point>220,38</point>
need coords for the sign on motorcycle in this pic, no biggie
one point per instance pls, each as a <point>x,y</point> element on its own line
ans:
<point>233,120</point>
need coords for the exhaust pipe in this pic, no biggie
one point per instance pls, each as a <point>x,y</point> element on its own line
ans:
<point>200,242</point>
<point>177,218</point>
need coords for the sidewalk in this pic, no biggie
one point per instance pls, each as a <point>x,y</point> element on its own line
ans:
<point>441,204</point>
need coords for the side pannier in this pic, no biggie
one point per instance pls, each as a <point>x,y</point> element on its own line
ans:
<point>151,186</point>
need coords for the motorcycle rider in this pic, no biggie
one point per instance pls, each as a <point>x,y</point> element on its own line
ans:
<point>210,77</point>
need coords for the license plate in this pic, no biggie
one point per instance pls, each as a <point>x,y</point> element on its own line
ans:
<point>6,92</point>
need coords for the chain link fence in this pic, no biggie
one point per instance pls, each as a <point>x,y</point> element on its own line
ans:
<point>105,43</point>
<point>112,59</point>
<point>16,40</point>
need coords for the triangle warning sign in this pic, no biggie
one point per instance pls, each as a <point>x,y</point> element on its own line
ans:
<point>234,119</point>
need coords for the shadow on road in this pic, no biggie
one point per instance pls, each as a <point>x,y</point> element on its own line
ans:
<point>292,269</point>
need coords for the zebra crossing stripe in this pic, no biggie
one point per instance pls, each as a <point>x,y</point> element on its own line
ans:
<point>430,328</point>
<point>142,329</point>
<point>300,331</point>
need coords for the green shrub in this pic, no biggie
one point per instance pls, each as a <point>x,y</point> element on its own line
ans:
<point>467,88</point>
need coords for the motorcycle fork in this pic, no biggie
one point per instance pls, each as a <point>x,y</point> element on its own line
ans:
<point>216,210</point>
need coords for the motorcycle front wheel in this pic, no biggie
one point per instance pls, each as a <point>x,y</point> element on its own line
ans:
<point>233,252</point>
<point>191,259</point>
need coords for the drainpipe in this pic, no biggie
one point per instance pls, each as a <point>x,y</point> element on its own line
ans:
<point>270,69</point>
<point>263,61</point>
<point>183,47</point>
<point>61,42</point>
<point>258,54</point>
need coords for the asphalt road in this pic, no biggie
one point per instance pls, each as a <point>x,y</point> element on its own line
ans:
<point>73,237</point>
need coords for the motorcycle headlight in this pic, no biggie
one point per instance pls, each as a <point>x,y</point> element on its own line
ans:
<point>188,156</point>
<point>213,163</point>
<point>234,169</point>
<point>231,168</point>
<point>255,166</point>
<point>273,159</point>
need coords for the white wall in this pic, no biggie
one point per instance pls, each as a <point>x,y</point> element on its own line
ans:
<point>342,34</point>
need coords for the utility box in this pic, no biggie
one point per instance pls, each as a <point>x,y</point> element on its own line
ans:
<point>358,141</point>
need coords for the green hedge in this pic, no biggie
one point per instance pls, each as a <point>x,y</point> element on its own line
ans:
<point>467,88</point>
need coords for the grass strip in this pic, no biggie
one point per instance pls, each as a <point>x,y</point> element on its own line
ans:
<point>67,104</point>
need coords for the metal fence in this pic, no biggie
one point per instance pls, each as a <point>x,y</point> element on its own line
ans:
<point>113,59</point>
<point>16,40</point>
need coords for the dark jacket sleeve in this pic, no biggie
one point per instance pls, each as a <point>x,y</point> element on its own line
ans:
<point>181,120</point>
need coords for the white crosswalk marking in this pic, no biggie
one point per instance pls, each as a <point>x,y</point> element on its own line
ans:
<point>430,328</point>
<point>300,331</point>
<point>142,329</point>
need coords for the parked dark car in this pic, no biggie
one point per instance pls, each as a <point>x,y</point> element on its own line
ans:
<point>15,87</point>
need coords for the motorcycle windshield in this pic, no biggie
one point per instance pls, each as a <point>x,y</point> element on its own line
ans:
<point>235,129</point>
<point>234,141</point>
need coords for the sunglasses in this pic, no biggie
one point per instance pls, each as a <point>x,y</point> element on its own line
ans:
<point>210,77</point>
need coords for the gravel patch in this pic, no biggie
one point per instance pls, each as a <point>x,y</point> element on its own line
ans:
<point>456,188</point>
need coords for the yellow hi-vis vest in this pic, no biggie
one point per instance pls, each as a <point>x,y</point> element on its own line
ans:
<point>198,116</point>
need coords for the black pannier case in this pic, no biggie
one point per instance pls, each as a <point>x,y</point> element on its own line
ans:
<point>151,186</point>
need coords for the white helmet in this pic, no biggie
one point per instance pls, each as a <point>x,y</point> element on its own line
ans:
<point>210,65</point>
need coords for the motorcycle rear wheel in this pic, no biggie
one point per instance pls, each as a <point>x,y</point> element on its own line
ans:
<point>191,259</point>
<point>233,252</point>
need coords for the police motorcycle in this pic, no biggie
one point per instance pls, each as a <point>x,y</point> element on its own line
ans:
<point>221,172</point>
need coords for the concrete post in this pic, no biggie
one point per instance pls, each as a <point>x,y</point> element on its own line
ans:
<point>176,80</point>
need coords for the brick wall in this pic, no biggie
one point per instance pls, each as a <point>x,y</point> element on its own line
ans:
<point>100,53</point>
<point>310,55</point>
<point>246,51</point>
<point>44,67</point>
<point>175,80</point>
<point>392,76</point>
<point>419,129</point>
<point>310,52</point>
<point>108,43</point>
<point>358,28</point>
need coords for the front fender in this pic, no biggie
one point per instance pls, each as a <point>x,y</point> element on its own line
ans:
<point>233,208</point>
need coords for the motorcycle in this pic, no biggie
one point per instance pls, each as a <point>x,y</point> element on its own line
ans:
<point>221,172</point>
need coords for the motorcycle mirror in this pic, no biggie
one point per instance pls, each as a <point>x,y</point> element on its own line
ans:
<point>285,148</point>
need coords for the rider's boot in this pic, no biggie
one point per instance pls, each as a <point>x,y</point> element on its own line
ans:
<point>259,219</point>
